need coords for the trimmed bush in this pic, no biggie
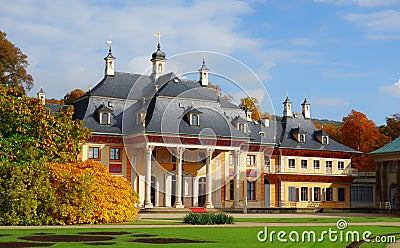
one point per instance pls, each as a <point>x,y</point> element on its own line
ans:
<point>208,219</point>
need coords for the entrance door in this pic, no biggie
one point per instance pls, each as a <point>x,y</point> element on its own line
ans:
<point>173,189</point>
<point>267,193</point>
<point>153,190</point>
<point>202,191</point>
<point>393,196</point>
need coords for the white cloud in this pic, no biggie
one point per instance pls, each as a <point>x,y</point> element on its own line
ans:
<point>393,89</point>
<point>330,102</point>
<point>65,41</point>
<point>377,24</point>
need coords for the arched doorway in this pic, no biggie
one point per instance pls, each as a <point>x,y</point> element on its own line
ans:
<point>267,193</point>
<point>202,191</point>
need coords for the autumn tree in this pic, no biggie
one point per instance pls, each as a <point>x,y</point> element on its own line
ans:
<point>30,132</point>
<point>13,64</point>
<point>392,127</point>
<point>334,132</point>
<point>73,95</point>
<point>251,105</point>
<point>360,133</point>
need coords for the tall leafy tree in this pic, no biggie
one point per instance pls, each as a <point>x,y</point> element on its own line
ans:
<point>13,64</point>
<point>73,95</point>
<point>392,127</point>
<point>360,133</point>
<point>334,132</point>
<point>251,105</point>
<point>29,131</point>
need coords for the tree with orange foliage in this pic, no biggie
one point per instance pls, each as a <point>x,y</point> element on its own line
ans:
<point>360,133</point>
<point>251,104</point>
<point>392,128</point>
<point>13,64</point>
<point>73,95</point>
<point>334,132</point>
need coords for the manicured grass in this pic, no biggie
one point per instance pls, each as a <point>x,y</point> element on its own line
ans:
<point>216,236</point>
<point>318,220</point>
<point>305,220</point>
<point>152,222</point>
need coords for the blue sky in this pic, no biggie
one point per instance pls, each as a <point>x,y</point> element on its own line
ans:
<point>341,54</point>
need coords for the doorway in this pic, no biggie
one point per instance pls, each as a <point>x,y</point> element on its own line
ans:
<point>267,193</point>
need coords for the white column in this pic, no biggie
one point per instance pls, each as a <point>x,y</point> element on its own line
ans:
<point>167,189</point>
<point>236,179</point>
<point>147,198</point>
<point>178,193</point>
<point>208,203</point>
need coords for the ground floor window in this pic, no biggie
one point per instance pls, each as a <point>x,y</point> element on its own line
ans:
<point>304,194</point>
<point>328,194</point>
<point>362,193</point>
<point>341,194</point>
<point>94,153</point>
<point>317,194</point>
<point>251,190</point>
<point>292,194</point>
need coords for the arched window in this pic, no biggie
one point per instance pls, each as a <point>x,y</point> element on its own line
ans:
<point>241,127</point>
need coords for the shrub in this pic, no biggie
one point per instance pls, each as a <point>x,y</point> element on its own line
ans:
<point>208,219</point>
<point>88,193</point>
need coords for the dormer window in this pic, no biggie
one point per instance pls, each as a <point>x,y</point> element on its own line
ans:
<point>194,119</point>
<point>140,117</point>
<point>325,140</point>
<point>241,127</point>
<point>302,138</point>
<point>105,118</point>
<point>322,137</point>
<point>104,114</point>
<point>193,116</point>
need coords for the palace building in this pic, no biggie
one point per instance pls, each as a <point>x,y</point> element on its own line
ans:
<point>181,144</point>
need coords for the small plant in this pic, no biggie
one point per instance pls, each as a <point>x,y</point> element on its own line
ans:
<point>208,219</point>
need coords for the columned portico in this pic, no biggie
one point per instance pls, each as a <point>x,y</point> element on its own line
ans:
<point>208,203</point>
<point>236,179</point>
<point>178,193</point>
<point>147,198</point>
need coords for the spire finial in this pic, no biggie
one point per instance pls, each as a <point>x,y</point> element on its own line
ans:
<point>109,42</point>
<point>158,35</point>
<point>204,58</point>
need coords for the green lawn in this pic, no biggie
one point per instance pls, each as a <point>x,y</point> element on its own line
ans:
<point>216,236</point>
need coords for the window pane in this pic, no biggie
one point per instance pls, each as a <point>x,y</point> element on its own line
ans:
<point>341,195</point>
<point>94,152</point>
<point>115,154</point>
<point>292,194</point>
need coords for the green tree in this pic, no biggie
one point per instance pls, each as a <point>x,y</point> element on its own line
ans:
<point>30,132</point>
<point>13,64</point>
<point>392,127</point>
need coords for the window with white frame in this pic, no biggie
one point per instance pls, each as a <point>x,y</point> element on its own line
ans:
<point>316,194</point>
<point>302,138</point>
<point>292,163</point>
<point>304,164</point>
<point>231,162</point>
<point>303,193</point>
<point>105,118</point>
<point>325,140</point>
<point>194,119</point>
<point>241,127</point>
<point>328,165</point>
<point>94,153</point>
<point>316,165</point>
<point>251,160</point>
<point>115,153</point>
<point>340,165</point>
